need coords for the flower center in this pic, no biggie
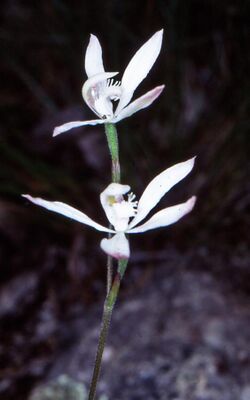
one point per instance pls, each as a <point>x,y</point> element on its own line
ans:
<point>100,96</point>
<point>113,89</point>
<point>123,210</point>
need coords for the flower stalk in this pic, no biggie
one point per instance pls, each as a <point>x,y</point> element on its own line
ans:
<point>106,318</point>
<point>113,145</point>
<point>112,288</point>
<point>112,138</point>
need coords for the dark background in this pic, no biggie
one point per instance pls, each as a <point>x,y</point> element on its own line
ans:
<point>52,270</point>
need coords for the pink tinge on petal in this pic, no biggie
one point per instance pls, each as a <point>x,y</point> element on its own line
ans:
<point>117,246</point>
<point>166,217</point>
<point>142,102</point>
<point>75,124</point>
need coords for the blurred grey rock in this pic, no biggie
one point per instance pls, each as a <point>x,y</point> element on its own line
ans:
<point>245,395</point>
<point>63,388</point>
<point>18,293</point>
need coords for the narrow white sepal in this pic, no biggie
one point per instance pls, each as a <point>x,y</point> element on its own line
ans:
<point>75,124</point>
<point>159,186</point>
<point>93,57</point>
<point>139,67</point>
<point>166,217</point>
<point>140,103</point>
<point>117,246</point>
<point>67,211</point>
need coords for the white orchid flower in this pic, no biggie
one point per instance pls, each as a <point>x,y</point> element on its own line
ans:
<point>100,91</point>
<point>125,215</point>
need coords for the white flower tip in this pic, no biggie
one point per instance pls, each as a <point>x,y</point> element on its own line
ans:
<point>159,89</point>
<point>26,196</point>
<point>160,32</point>
<point>68,126</point>
<point>191,162</point>
<point>191,203</point>
<point>32,199</point>
<point>56,132</point>
<point>93,39</point>
<point>159,35</point>
<point>63,128</point>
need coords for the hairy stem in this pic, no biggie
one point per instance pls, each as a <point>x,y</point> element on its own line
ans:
<point>109,271</point>
<point>112,138</point>
<point>106,318</point>
<point>112,287</point>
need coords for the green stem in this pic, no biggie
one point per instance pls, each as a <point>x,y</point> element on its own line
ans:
<point>112,288</point>
<point>106,318</point>
<point>109,272</point>
<point>112,138</point>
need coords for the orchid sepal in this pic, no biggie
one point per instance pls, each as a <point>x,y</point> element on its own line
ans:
<point>67,211</point>
<point>93,57</point>
<point>139,67</point>
<point>75,124</point>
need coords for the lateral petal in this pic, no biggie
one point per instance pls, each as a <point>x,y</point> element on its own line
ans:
<point>93,57</point>
<point>160,185</point>
<point>117,246</point>
<point>67,211</point>
<point>140,103</point>
<point>166,217</point>
<point>75,124</point>
<point>139,67</point>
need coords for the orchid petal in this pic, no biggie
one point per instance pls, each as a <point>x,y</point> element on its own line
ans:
<point>166,217</point>
<point>117,246</point>
<point>93,57</point>
<point>140,103</point>
<point>139,67</point>
<point>76,124</point>
<point>160,185</point>
<point>67,211</point>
